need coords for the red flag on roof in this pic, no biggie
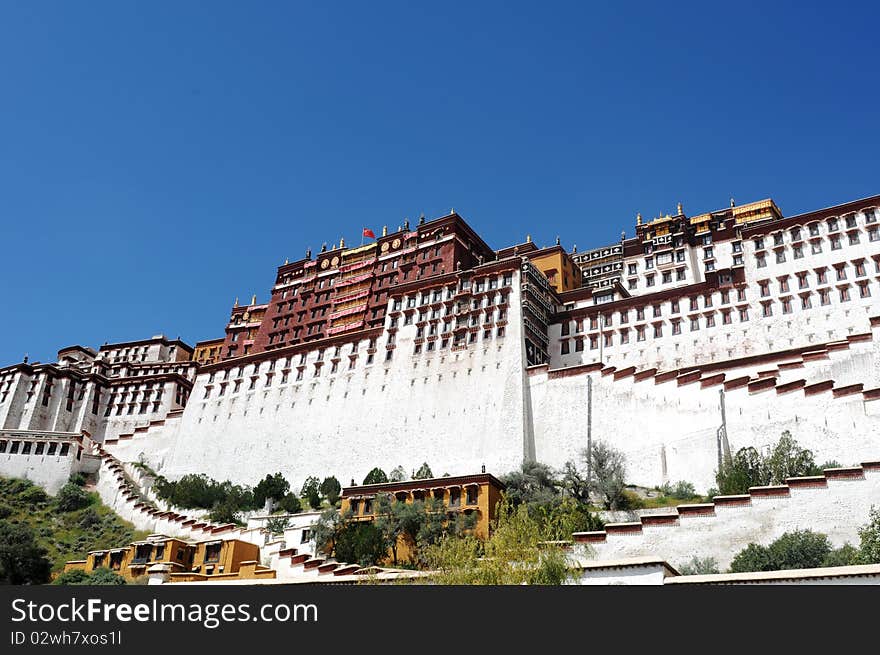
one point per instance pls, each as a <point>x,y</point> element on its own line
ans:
<point>369,233</point>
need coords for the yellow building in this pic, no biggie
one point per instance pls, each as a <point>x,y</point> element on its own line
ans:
<point>224,559</point>
<point>558,267</point>
<point>182,560</point>
<point>471,495</point>
<point>208,352</point>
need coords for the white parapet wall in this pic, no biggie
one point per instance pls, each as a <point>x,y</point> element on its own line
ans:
<point>836,504</point>
<point>47,459</point>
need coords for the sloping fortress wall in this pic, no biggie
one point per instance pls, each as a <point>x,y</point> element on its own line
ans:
<point>835,503</point>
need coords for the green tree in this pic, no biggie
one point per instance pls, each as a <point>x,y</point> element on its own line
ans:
<point>533,485</point>
<point>376,476</point>
<point>747,469</point>
<point>331,489</point>
<point>361,543</point>
<point>564,517</point>
<point>22,559</point>
<point>72,497</point>
<point>753,557</point>
<point>789,460</point>
<point>272,487</point>
<point>608,474</point>
<point>424,472</point>
<point>843,556</point>
<point>398,474</point>
<point>327,530</point>
<point>800,549</point>
<point>575,483</point>
<point>224,512</point>
<point>311,491</point>
<point>291,504</point>
<point>277,525</point>
<point>869,535</point>
<point>514,553</point>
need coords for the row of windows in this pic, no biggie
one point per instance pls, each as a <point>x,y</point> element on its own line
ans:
<point>821,274</point>
<point>804,300</point>
<point>816,247</point>
<point>34,448</point>
<point>832,225</point>
<point>458,340</point>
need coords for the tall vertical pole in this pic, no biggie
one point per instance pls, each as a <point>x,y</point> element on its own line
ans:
<point>589,430</point>
<point>725,444</point>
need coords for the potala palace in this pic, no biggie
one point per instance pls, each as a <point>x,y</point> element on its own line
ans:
<point>698,335</point>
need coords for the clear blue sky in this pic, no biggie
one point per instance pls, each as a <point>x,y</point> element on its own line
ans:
<point>158,159</point>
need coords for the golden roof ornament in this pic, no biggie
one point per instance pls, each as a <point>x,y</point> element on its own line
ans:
<point>384,230</point>
<point>236,302</point>
<point>254,299</point>
<point>732,203</point>
<point>639,218</point>
<point>528,238</point>
<point>680,210</point>
<point>342,242</point>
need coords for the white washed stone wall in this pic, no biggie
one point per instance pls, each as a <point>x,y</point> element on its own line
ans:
<point>837,511</point>
<point>455,410</point>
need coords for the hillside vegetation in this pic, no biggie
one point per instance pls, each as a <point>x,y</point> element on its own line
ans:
<point>64,527</point>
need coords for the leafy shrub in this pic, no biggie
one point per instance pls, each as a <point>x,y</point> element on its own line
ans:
<point>89,518</point>
<point>224,512</point>
<point>78,479</point>
<point>72,577</point>
<point>683,490</point>
<point>749,468</point>
<point>699,566</point>
<point>33,495</point>
<point>72,497</point>
<point>104,576</point>
<point>628,500</point>
<point>100,576</point>
<point>843,556</point>
<point>800,549</point>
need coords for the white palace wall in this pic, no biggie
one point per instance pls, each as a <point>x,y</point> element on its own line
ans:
<point>455,409</point>
<point>475,410</point>
<point>668,432</point>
